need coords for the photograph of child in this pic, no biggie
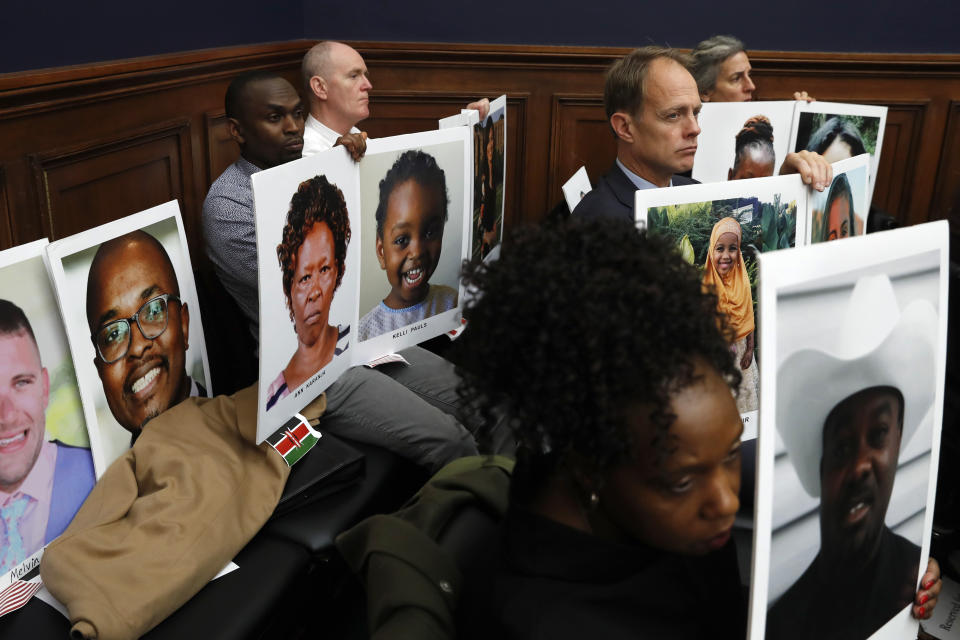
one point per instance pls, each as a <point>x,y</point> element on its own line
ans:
<point>133,321</point>
<point>488,189</point>
<point>723,238</point>
<point>742,140</point>
<point>312,257</point>
<point>841,211</point>
<point>413,234</point>
<point>725,273</point>
<point>855,347</point>
<point>46,469</point>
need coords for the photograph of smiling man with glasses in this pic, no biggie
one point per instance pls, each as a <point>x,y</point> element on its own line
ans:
<point>127,293</point>
<point>142,367</point>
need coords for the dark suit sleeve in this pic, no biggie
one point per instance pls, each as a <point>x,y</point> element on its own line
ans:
<point>602,203</point>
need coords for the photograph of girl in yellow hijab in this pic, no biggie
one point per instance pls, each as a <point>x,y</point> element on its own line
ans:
<point>723,238</point>
<point>725,273</point>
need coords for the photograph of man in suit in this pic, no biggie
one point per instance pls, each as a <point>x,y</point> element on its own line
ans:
<point>140,329</point>
<point>42,483</point>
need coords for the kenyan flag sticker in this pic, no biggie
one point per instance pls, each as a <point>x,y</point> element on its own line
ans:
<point>294,439</point>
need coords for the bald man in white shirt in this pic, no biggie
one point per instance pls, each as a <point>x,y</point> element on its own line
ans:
<point>338,90</point>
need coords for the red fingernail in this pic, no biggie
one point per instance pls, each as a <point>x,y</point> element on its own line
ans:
<point>924,598</point>
<point>922,611</point>
<point>928,584</point>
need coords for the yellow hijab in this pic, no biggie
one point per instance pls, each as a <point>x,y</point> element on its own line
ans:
<point>733,289</point>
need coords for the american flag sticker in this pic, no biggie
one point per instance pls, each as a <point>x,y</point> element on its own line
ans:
<point>294,439</point>
<point>19,591</point>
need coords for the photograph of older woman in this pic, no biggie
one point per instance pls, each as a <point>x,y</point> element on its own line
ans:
<point>411,215</point>
<point>488,191</point>
<point>837,219</point>
<point>312,257</point>
<point>753,151</point>
<point>725,274</point>
<point>628,463</point>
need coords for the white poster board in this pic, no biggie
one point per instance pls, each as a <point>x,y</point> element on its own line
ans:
<point>400,281</point>
<point>120,397</point>
<point>489,173</point>
<point>838,131</point>
<point>727,126</point>
<point>769,214</point>
<point>44,449</point>
<point>839,484</point>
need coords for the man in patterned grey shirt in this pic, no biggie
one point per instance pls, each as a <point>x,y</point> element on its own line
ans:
<point>411,410</point>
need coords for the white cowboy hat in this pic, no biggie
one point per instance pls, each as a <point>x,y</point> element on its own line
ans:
<point>877,345</point>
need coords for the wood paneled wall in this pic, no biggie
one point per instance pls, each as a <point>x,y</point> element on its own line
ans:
<point>87,144</point>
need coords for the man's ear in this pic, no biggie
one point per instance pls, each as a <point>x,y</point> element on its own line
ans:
<point>185,324</point>
<point>236,131</point>
<point>380,258</point>
<point>621,123</point>
<point>730,173</point>
<point>319,87</point>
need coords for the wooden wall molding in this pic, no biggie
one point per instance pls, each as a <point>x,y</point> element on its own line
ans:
<point>949,174</point>
<point>5,235</point>
<point>579,137</point>
<point>895,175</point>
<point>160,120</point>
<point>95,177</point>
<point>53,89</point>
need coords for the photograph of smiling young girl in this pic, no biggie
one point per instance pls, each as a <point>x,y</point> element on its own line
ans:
<point>129,303</point>
<point>853,365</point>
<point>307,216</point>
<point>415,216</point>
<point>722,237</point>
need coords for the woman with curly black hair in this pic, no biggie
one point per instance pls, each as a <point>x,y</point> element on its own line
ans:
<point>312,257</point>
<point>599,344</point>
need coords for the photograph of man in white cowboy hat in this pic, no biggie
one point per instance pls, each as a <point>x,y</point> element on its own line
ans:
<point>849,405</point>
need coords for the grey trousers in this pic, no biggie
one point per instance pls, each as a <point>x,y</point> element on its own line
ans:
<point>410,410</point>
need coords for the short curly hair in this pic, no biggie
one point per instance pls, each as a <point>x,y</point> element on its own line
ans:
<point>316,201</point>
<point>412,165</point>
<point>573,324</point>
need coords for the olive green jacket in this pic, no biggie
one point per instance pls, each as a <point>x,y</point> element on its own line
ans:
<point>412,582</point>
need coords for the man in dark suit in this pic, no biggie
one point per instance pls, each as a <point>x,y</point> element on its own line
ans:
<point>652,103</point>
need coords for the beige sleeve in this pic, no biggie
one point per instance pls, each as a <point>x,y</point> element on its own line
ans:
<point>165,517</point>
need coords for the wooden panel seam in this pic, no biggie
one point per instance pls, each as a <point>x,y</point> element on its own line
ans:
<point>41,162</point>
